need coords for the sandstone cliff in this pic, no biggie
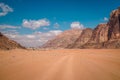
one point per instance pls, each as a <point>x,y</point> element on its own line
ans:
<point>106,35</point>
<point>82,39</point>
<point>114,25</point>
<point>99,34</point>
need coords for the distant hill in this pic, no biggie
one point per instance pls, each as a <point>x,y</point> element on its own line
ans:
<point>105,35</point>
<point>6,43</point>
<point>64,39</point>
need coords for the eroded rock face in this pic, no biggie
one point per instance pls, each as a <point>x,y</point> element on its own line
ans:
<point>114,25</point>
<point>98,37</point>
<point>112,44</point>
<point>6,43</point>
<point>82,39</point>
<point>100,34</point>
<point>64,39</point>
<point>105,35</point>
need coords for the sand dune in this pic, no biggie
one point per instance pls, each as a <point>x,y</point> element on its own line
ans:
<point>85,64</point>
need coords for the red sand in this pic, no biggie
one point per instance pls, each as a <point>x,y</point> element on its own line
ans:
<point>86,64</point>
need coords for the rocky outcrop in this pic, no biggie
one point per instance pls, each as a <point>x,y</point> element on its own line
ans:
<point>114,30</point>
<point>92,38</point>
<point>105,35</point>
<point>6,43</point>
<point>82,39</point>
<point>114,25</point>
<point>112,44</point>
<point>64,39</point>
<point>100,34</point>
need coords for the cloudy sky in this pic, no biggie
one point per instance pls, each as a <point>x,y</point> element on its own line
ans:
<point>33,22</point>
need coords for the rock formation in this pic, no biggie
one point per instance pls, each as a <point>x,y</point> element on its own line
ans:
<point>82,39</point>
<point>105,35</point>
<point>112,44</point>
<point>99,34</point>
<point>64,39</point>
<point>6,43</point>
<point>114,25</point>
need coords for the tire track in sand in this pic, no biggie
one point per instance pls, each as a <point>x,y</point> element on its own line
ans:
<point>61,70</point>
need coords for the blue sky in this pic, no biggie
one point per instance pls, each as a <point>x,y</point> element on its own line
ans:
<point>53,15</point>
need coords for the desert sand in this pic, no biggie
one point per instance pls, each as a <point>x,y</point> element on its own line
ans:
<point>62,64</point>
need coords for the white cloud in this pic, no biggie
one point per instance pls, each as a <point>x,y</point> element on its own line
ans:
<point>30,36</point>
<point>33,40</point>
<point>34,24</point>
<point>77,25</point>
<point>55,32</point>
<point>45,28</point>
<point>9,32</point>
<point>105,19</point>
<point>5,9</point>
<point>9,26</point>
<point>56,25</point>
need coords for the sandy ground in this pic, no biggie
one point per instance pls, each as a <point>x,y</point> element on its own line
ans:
<point>86,64</point>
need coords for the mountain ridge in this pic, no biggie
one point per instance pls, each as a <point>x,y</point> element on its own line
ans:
<point>105,35</point>
<point>64,39</point>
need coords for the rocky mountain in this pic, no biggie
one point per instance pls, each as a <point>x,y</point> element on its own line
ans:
<point>64,39</point>
<point>82,39</point>
<point>114,30</point>
<point>6,43</point>
<point>106,35</point>
<point>114,25</point>
<point>98,37</point>
<point>99,34</point>
<point>112,44</point>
